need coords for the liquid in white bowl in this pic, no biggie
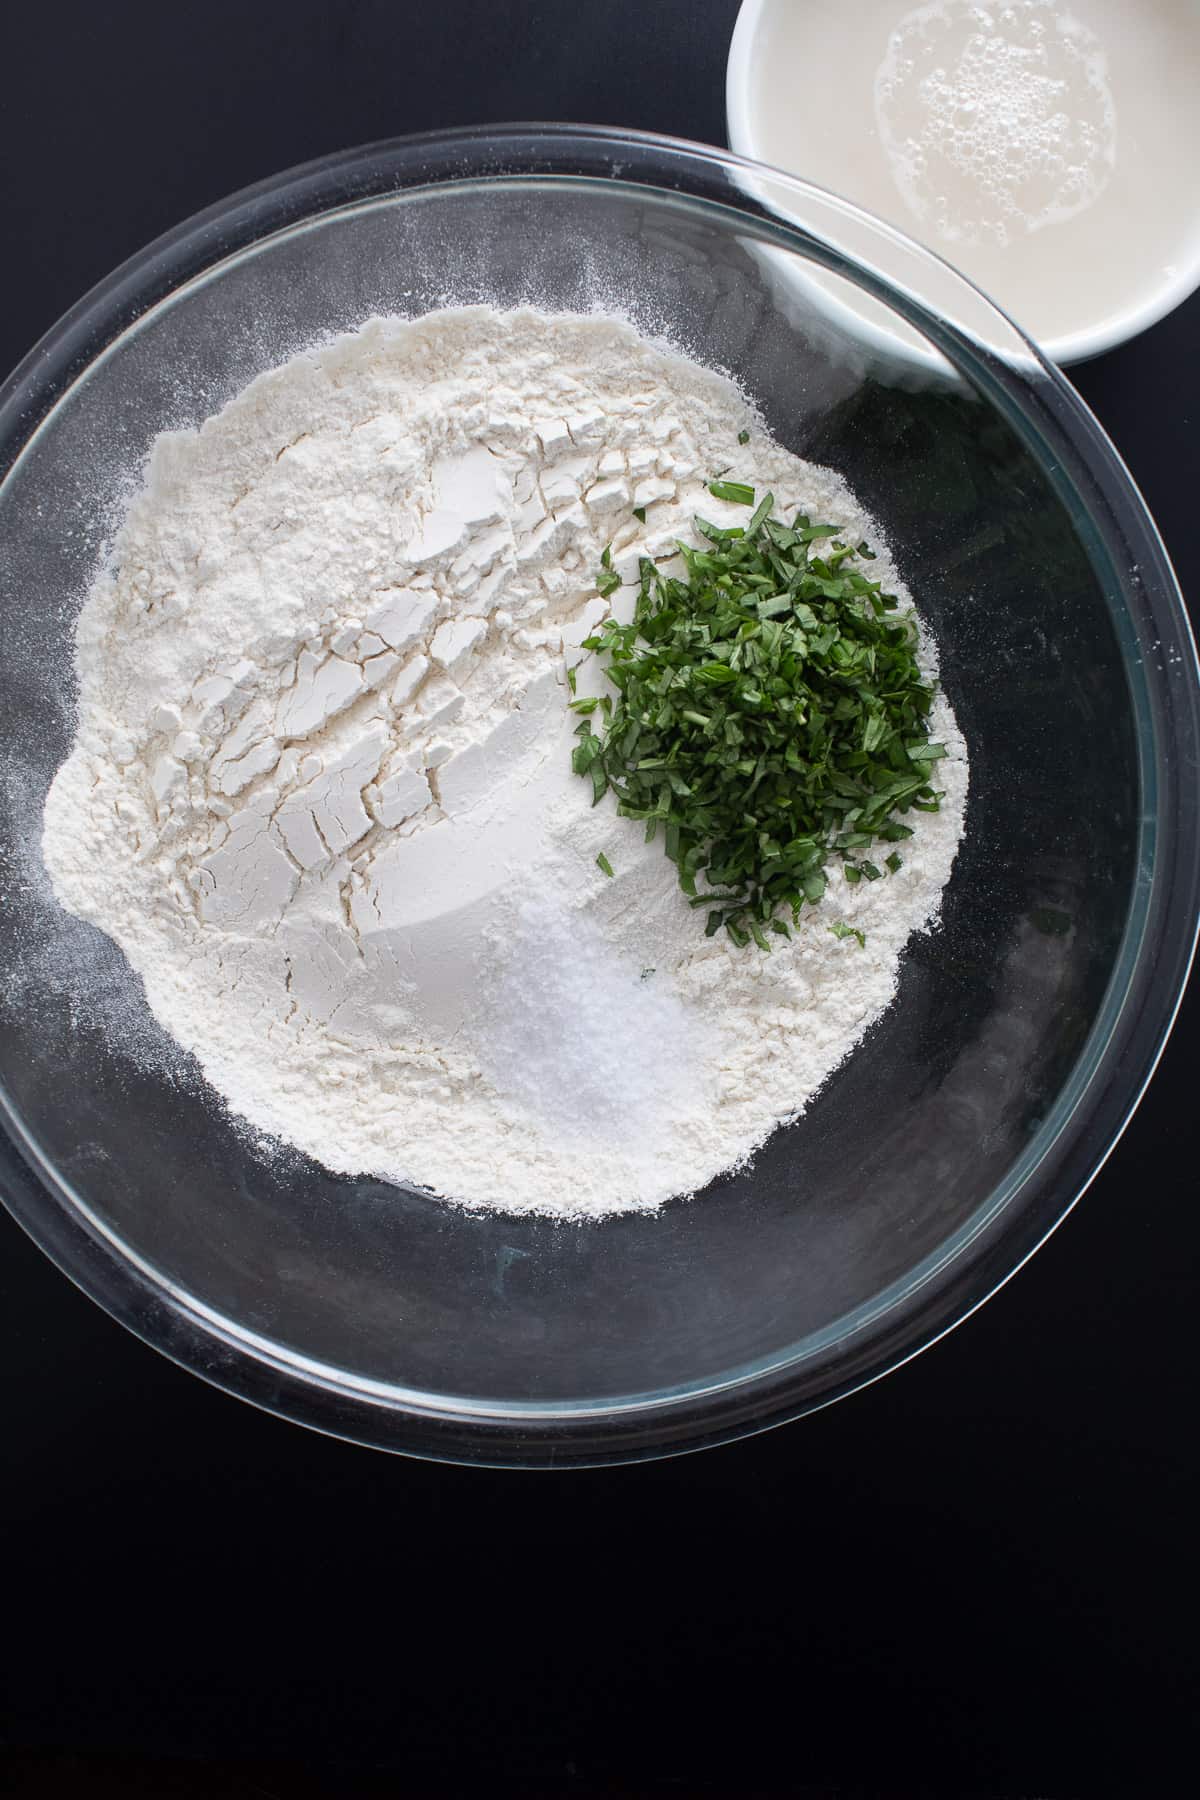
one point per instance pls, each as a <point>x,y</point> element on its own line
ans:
<point>1049,148</point>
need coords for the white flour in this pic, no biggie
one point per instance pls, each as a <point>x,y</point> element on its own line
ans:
<point>321,791</point>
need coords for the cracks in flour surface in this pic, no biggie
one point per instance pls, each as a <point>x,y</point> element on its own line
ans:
<point>345,900</point>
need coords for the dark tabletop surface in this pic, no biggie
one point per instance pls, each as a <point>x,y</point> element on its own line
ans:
<point>979,1576</point>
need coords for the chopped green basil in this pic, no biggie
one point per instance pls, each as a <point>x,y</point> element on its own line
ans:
<point>769,712</point>
<point>736,491</point>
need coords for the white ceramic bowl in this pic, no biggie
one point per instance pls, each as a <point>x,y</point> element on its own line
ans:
<point>1161,296</point>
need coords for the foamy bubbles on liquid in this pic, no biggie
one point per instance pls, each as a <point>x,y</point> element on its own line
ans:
<point>995,120</point>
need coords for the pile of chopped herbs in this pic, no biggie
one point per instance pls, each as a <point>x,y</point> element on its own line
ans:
<point>770,716</point>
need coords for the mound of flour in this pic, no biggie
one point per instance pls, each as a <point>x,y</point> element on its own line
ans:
<point>321,797</point>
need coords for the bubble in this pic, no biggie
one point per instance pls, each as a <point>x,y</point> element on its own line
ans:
<point>1007,110</point>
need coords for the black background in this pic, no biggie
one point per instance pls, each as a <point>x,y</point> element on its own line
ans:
<point>977,1577</point>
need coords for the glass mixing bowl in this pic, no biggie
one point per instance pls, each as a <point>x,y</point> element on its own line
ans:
<point>957,1135</point>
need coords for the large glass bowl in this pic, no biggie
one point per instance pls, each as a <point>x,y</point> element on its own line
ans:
<point>1025,1029</point>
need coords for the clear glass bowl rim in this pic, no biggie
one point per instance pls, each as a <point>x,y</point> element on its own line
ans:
<point>1147,983</point>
